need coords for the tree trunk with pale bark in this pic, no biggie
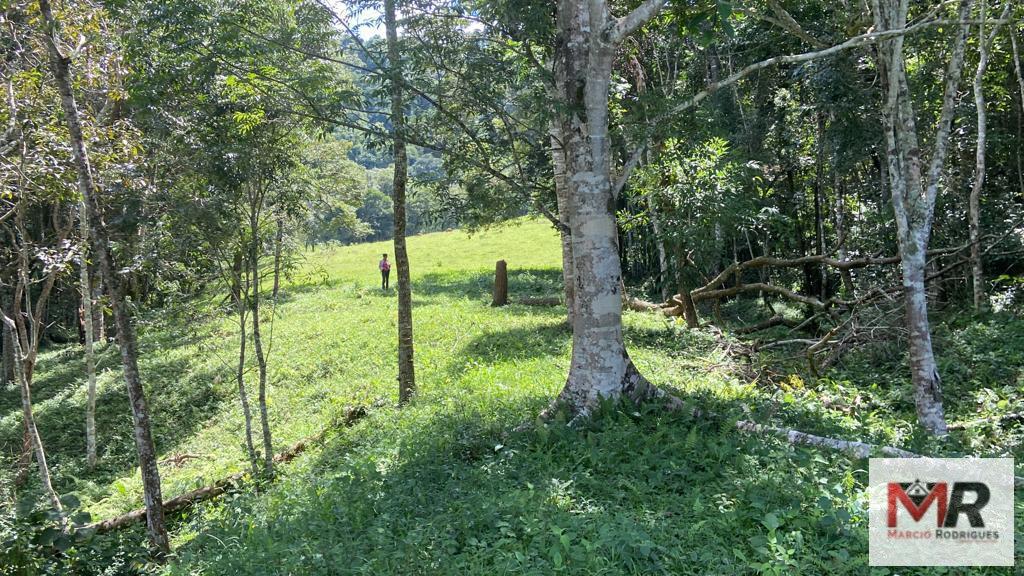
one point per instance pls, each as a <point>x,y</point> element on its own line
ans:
<point>587,37</point>
<point>6,354</point>
<point>85,286</point>
<point>974,202</point>
<point>29,420</point>
<point>914,192</point>
<point>61,67</point>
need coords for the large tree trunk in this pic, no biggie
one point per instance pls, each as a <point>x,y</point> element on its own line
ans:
<point>913,198</point>
<point>584,50</point>
<point>125,331</point>
<point>924,372</point>
<point>406,373</point>
<point>85,286</point>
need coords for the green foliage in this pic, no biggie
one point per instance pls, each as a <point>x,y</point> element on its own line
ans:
<point>444,486</point>
<point>36,540</point>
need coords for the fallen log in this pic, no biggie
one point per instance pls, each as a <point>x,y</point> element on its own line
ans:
<point>852,447</point>
<point>638,305</point>
<point>173,505</point>
<point>777,320</point>
<point>186,500</point>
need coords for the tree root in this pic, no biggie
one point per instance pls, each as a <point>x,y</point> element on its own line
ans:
<point>851,447</point>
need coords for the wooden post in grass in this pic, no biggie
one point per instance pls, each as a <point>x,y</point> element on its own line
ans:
<point>500,284</point>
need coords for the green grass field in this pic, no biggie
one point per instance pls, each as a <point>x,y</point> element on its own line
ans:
<point>444,486</point>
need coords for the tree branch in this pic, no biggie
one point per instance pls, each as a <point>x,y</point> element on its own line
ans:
<point>640,15</point>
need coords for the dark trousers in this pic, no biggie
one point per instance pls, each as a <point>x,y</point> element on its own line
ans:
<point>384,275</point>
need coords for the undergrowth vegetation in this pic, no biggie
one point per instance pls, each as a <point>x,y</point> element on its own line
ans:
<point>445,485</point>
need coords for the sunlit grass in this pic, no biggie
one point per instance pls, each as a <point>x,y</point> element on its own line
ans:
<point>444,486</point>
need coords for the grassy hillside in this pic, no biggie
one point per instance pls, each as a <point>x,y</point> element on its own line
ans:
<point>444,486</point>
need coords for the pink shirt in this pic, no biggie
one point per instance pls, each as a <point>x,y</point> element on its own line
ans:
<point>385,265</point>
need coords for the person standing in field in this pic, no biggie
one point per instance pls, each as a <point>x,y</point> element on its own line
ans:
<point>385,272</point>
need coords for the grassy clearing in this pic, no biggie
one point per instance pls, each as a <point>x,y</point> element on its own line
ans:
<point>444,487</point>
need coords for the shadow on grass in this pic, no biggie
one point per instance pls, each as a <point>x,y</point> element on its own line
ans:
<point>180,399</point>
<point>451,491</point>
<point>522,283</point>
<point>518,343</point>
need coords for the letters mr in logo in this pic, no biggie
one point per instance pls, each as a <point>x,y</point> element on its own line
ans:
<point>917,498</point>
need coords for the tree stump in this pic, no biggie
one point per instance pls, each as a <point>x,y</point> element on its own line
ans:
<point>500,284</point>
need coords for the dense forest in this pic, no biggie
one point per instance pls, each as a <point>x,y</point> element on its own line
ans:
<point>749,245</point>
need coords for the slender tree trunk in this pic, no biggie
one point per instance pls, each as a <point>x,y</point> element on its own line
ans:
<point>29,418</point>
<point>99,324</point>
<point>243,396</point>
<point>278,242</point>
<point>406,373</point>
<point>659,241</point>
<point>913,198</point>
<point>659,246</point>
<point>257,337</point>
<point>840,222</point>
<point>27,326</point>
<point>152,497</point>
<point>974,203</point>
<point>819,216</point>
<point>1020,112</point>
<point>689,310</point>
<point>85,286</point>
<point>6,353</point>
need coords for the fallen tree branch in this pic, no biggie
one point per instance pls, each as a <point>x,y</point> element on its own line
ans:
<point>777,320</point>
<point>186,500</point>
<point>843,265</point>
<point>638,305</point>
<point>853,447</point>
<point>788,342</point>
<point>701,294</point>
